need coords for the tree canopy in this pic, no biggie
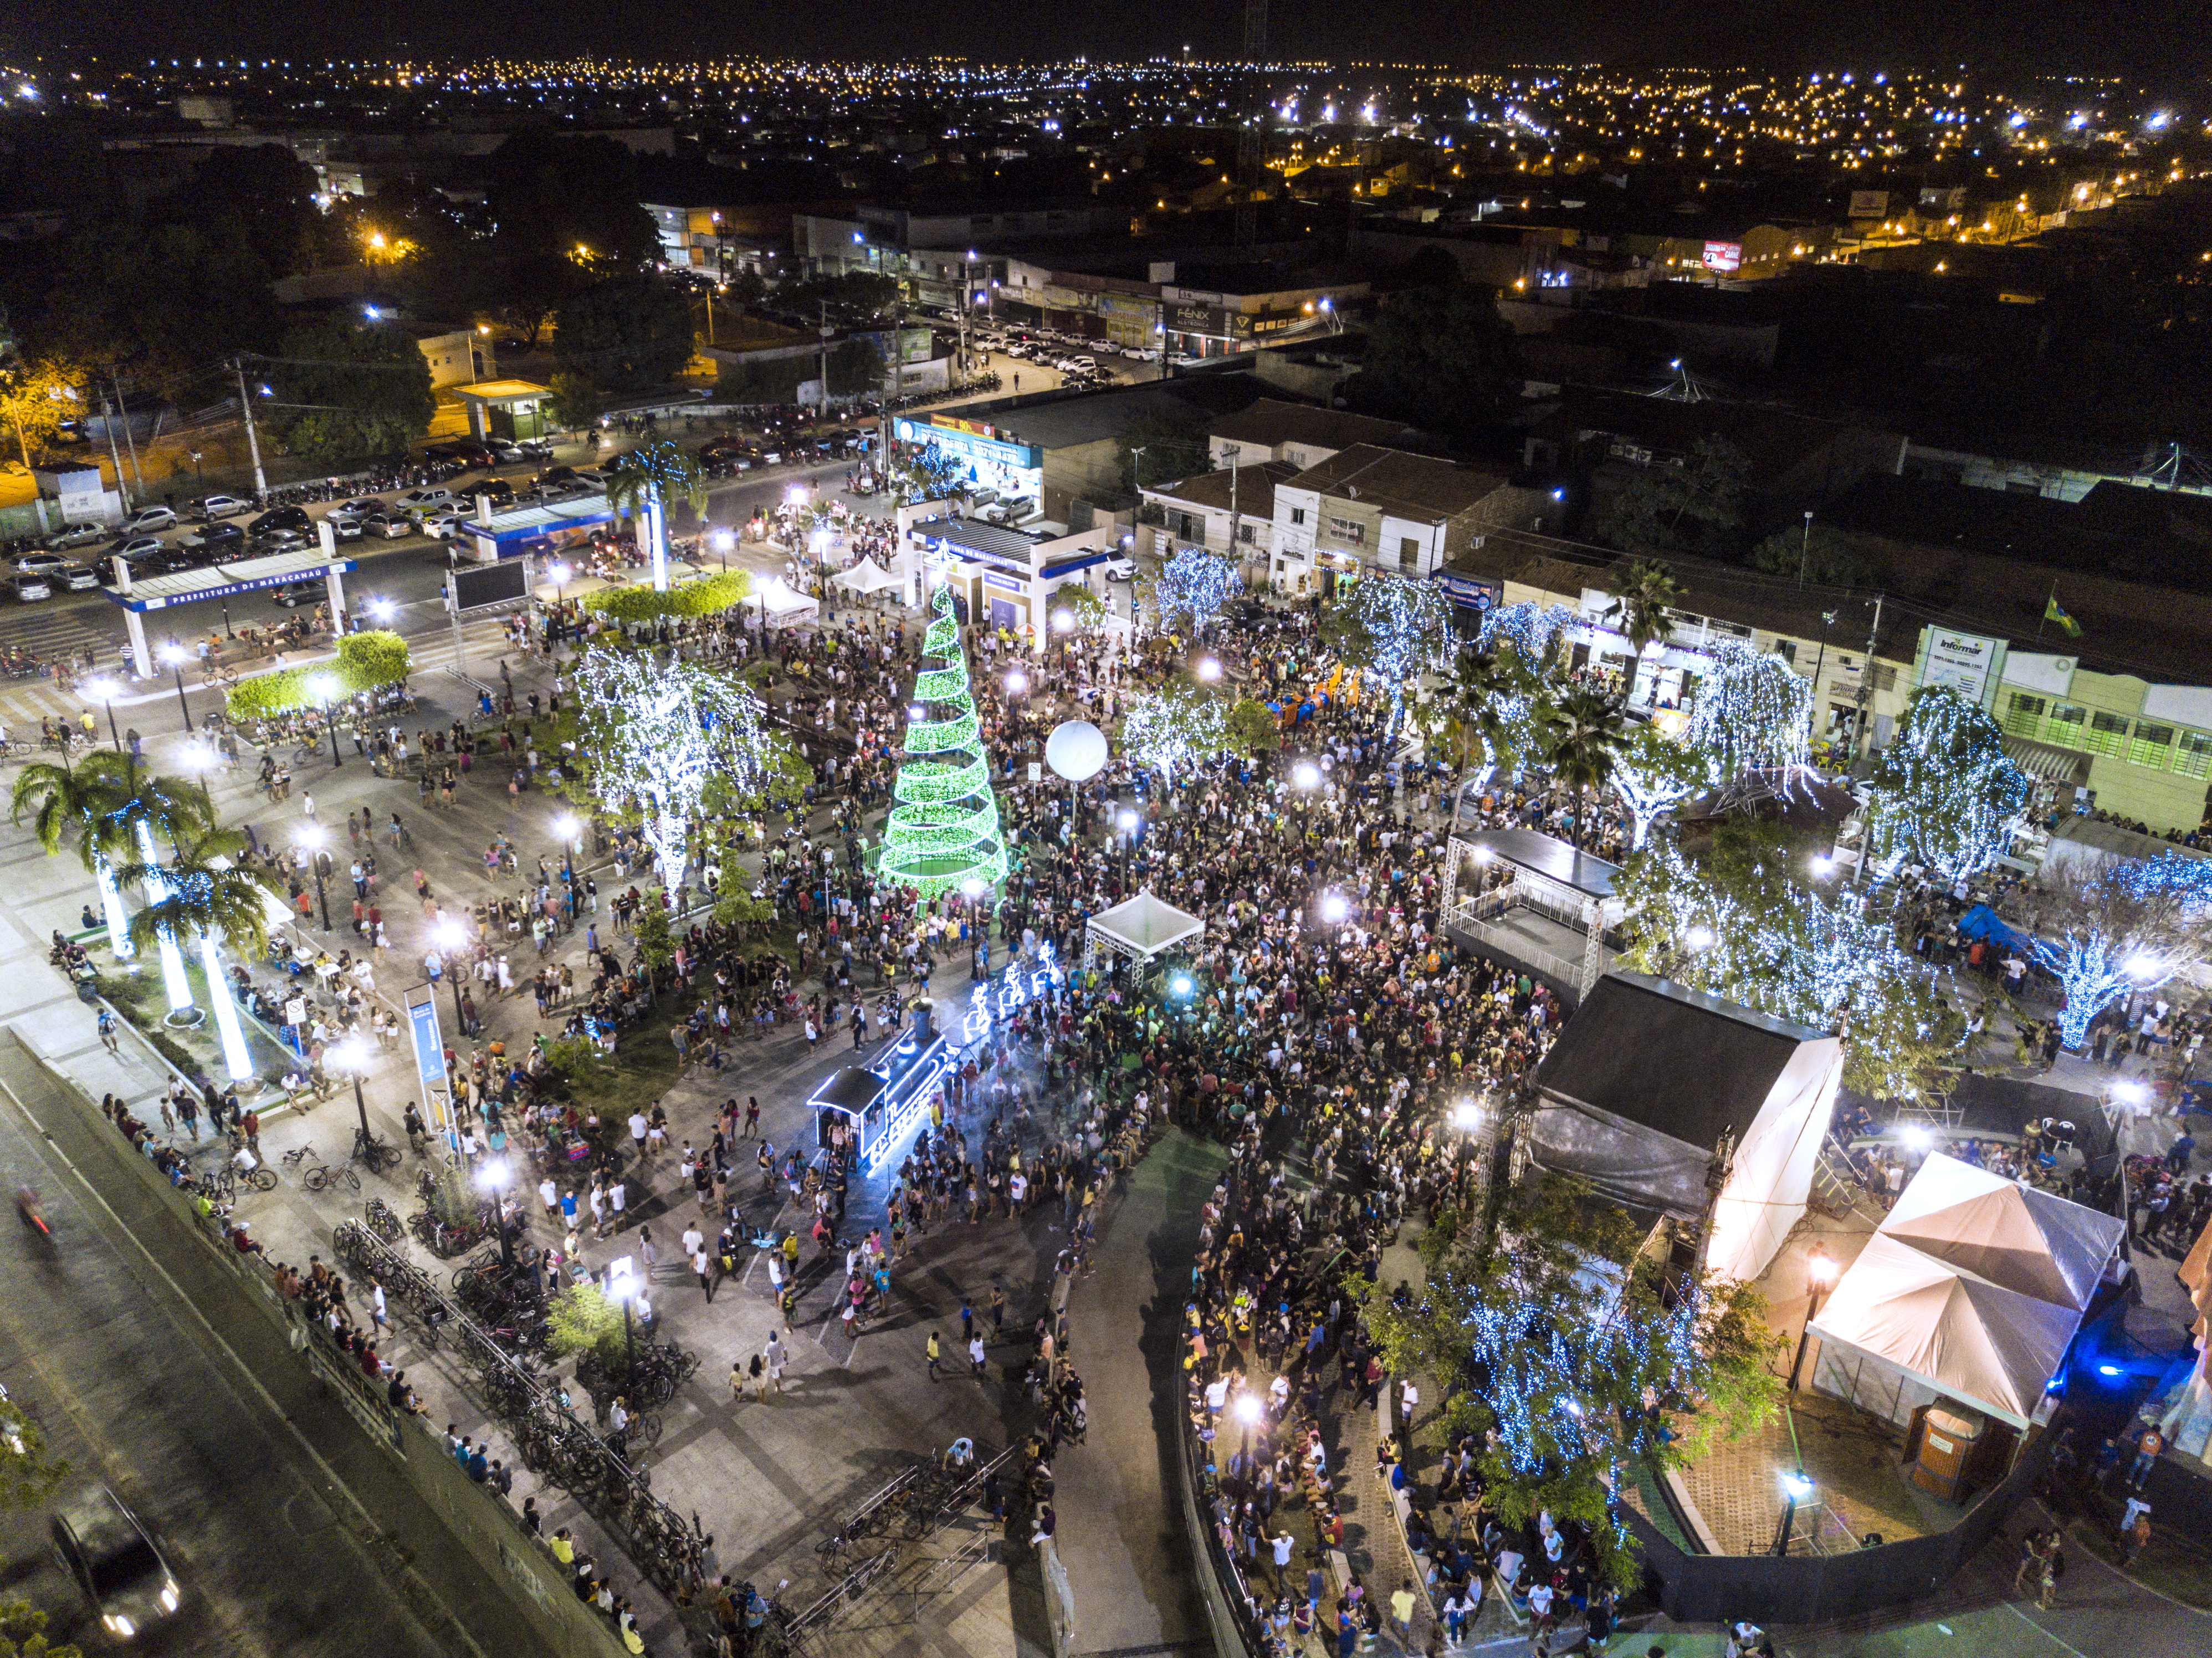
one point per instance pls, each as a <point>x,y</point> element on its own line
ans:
<point>371,380</point>
<point>1695,506</point>
<point>628,333</point>
<point>1441,358</point>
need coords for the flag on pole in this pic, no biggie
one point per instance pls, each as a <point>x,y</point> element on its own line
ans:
<point>2054,611</point>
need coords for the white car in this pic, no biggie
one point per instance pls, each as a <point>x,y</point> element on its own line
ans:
<point>135,547</point>
<point>78,535</point>
<point>417,502</point>
<point>354,510</point>
<point>32,585</point>
<point>444,526</point>
<point>148,519</point>
<point>216,507</point>
<point>1121,569</point>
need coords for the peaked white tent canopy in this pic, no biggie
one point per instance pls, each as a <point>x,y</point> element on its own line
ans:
<point>777,601</point>
<point>865,577</point>
<point>1971,1289</point>
<point>1140,928</point>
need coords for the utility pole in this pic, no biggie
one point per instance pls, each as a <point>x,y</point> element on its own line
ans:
<point>967,289</point>
<point>823,409</point>
<point>130,438</point>
<point>1805,547</point>
<point>108,419</point>
<point>253,438</point>
<point>1233,470</point>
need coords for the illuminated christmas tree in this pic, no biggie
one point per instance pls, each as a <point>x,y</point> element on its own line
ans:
<point>943,832</point>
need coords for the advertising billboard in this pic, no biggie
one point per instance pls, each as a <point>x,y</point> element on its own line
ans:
<point>479,586</point>
<point>1723,256</point>
<point>1969,664</point>
<point>1870,204</point>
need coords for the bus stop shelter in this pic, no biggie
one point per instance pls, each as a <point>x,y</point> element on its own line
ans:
<point>138,596</point>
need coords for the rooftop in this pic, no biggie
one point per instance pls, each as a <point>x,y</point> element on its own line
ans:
<point>1250,489</point>
<point>503,390</point>
<point>1408,486</point>
<point>1272,421</point>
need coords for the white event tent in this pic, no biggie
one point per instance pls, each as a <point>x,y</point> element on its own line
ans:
<point>1971,1289</point>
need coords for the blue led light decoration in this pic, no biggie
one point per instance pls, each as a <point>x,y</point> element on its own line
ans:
<point>1754,714</point>
<point>1945,794</point>
<point>943,831</point>
<point>2127,926</point>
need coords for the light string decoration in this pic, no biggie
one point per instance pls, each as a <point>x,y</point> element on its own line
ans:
<point>1798,953</point>
<point>1754,714</point>
<point>1531,628</point>
<point>2129,926</point>
<point>1945,794</point>
<point>663,735</point>
<point>1193,587</point>
<point>1174,729</point>
<point>1653,775</point>
<point>1395,630</point>
<point>943,831</point>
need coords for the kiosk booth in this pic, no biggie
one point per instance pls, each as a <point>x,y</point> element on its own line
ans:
<point>879,1106</point>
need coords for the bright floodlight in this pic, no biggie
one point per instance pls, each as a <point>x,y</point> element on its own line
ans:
<point>975,886</point>
<point>1334,908</point>
<point>1465,1115</point>
<point>1128,820</point>
<point>1700,938</point>
<point>1821,1268</point>
<point>1483,854</point>
<point>1306,775</point>
<point>494,1175</point>
<point>556,572</point>
<point>1017,683</point>
<point>1208,669</point>
<point>795,493</point>
<point>173,653</point>
<point>1063,620</point>
<point>1247,1408</point>
<point>1797,1485</point>
<point>311,835</point>
<point>1822,863</point>
<point>1918,1138</point>
<point>198,757</point>
<point>99,691</point>
<point>2131,1092</point>
<point>448,934</point>
<point>1181,984</point>
<point>2142,965</point>
<point>564,826</point>
<point>381,608</point>
<point>724,541</point>
<point>324,686</point>
<point>350,1055</point>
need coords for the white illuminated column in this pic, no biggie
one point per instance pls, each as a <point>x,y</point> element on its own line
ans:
<point>237,1063</point>
<point>655,527</point>
<point>179,988</point>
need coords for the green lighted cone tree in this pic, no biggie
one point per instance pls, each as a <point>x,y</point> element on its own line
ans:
<point>943,832</point>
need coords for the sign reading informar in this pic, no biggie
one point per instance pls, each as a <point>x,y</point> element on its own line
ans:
<point>1969,664</point>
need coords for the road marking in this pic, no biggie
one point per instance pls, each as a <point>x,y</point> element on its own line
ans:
<point>2046,1633</point>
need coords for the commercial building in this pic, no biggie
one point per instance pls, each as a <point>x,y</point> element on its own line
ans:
<point>1230,511</point>
<point>1371,509</point>
<point>459,356</point>
<point>1002,578</point>
<point>1299,433</point>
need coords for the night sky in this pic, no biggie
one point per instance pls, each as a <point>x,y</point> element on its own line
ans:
<point>2162,38</point>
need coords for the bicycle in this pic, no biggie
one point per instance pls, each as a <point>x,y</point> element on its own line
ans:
<point>382,1223</point>
<point>379,1155</point>
<point>294,1158</point>
<point>331,1176</point>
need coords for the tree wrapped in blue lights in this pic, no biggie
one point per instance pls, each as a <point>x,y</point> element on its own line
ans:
<point>1193,587</point>
<point>1945,794</point>
<point>1579,1369</point>
<point>2127,926</point>
<point>1754,714</point>
<point>1393,631</point>
<point>943,831</point>
<point>1174,729</point>
<point>1489,718</point>
<point>1652,775</point>
<point>1750,921</point>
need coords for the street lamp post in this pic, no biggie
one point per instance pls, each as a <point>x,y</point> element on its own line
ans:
<point>495,1177</point>
<point>313,836</point>
<point>174,656</point>
<point>102,690</point>
<point>325,686</point>
<point>449,937</point>
<point>352,1056</point>
<point>1796,1488</point>
<point>565,827</point>
<point>1819,1273</point>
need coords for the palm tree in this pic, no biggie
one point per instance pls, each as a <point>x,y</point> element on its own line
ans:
<point>203,895</point>
<point>1487,719</point>
<point>642,483</point>
<point>1581,733</point>
<point>1643,590</point>
<point>85,803</point>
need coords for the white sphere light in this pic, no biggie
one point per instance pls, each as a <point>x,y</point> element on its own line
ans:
<point>1076,751</point>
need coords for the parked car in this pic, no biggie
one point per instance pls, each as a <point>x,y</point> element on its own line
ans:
<point>281,518</point>
<point>423,501</point>
<point>1120,567</point>
<point>148,519</point>
<point>118,1565</point>
<point>282,539</point>
<point>210,507</point>
<point>444,526</point>
<point>344,529</point>
<point>78,535</point>
<point>135,548</point>
<point>356,510</point>
<point>308,590</point>
<point>388,524</point>
<point>73,578</point>
<point>213,537</point>
<point>32,585</point>
<point>40,563</point>
<point>501,491</point>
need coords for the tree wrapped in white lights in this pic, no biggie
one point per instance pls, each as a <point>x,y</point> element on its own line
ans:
<point>1193,585</point>
<point>1531,628</point>
<point>1177,728</point>
<point>1653,773</point>
<point>663,739</point>
<point>1945,794</point>
<point>1750,922</point>
<point>1754,714</point>
<point>1392,630</point>
<point>2129,926</point>
<point>642,483</point>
